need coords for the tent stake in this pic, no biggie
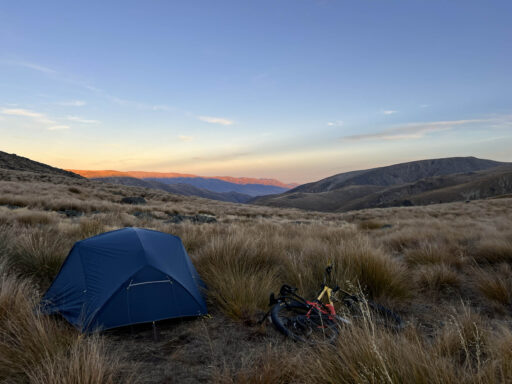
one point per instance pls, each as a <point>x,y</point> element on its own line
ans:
<point>155,333</point>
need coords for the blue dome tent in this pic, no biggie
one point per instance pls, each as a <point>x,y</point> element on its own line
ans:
<point>125,277</point>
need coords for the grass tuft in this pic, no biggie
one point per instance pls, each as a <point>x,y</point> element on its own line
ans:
<point>240,272</point>
<point>39,253</point>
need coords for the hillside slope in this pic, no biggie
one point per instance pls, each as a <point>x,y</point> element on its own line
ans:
<point>417,183</point>
<point>18,163</point>
<point>400,173</point>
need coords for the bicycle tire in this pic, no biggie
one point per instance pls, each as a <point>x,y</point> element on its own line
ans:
<point>290,319</point>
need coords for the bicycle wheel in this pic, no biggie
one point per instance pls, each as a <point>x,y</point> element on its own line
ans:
<point>302,323</point>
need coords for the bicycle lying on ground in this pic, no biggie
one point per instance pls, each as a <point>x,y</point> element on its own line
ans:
<point>313,321</point>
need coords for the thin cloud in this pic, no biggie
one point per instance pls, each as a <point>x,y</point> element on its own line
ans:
<point>33,66</point>
<point>337,123</point>
<point>58,127</point>
<point>389,112</point>
<point>20,112</point>
<point>39,117</point>
<point>412,130</point>
<point>216,120</point>
<point>82,120</point>
<point>186,138</point>
<point>161,108</point>
<point>82,84</point>
<point>73,103</point>
<point>132,103</point>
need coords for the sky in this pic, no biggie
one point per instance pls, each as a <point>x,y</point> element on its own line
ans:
<point>295,90</point>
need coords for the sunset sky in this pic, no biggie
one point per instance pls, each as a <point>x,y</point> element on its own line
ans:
<point>295,90</point>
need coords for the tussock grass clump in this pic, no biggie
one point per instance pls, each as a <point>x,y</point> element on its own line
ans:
<point>493,250</point>
<point>369,355</point>
<point>6,241</point>
<point>89,227</point>
<point>85,362</point>
<point>240,271</point>
<point>355,263</point>
<point>272,366</point>
<point>39,253</point>
<point>409,237</point>
<point>377,272</point>
<point>370,224</point>
<point>36,348</point>
<point>27,338</point>
<point>34,218</point>
<point>434,253</point>
<point>495,285</point>
<point>438,277</point>
<point>464,338</point>
<point>460,354</point>
<point>498,367</point>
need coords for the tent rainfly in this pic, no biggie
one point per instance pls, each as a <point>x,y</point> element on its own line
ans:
<point>125,277</point>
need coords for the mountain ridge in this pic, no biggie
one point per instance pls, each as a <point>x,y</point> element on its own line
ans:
<point>413,183</point>
<point>399,173</point>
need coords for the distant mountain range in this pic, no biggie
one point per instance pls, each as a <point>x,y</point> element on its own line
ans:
<point>224,188</point>
<point>414,183</point>
<point>180,189</point>
<point>172,175</point>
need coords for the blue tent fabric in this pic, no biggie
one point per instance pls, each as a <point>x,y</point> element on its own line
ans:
<point>123,277</point>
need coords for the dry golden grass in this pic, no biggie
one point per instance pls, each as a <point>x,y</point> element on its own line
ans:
<point>35,348</point>
<point>493,250</point>
<point>424,262</point>
<point>240,271</point>
<point>437,278</point>
<point>84,362</point>
<point>272,366</point>
<point>495,285</point>
<point>38,253</point>
<point>463,352</point>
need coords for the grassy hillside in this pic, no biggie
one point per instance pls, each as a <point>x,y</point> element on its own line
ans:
<point>402,173</point>
<point>380,190</point>
<point>19,163</point>
<point>445,268</point>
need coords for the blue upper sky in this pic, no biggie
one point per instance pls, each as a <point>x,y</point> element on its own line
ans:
<point>296,90</point>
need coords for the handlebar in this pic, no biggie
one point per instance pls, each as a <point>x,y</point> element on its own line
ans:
<point>286,289</point>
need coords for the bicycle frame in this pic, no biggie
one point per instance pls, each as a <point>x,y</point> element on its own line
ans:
<point>287,292</point>
<point>329,307</point>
